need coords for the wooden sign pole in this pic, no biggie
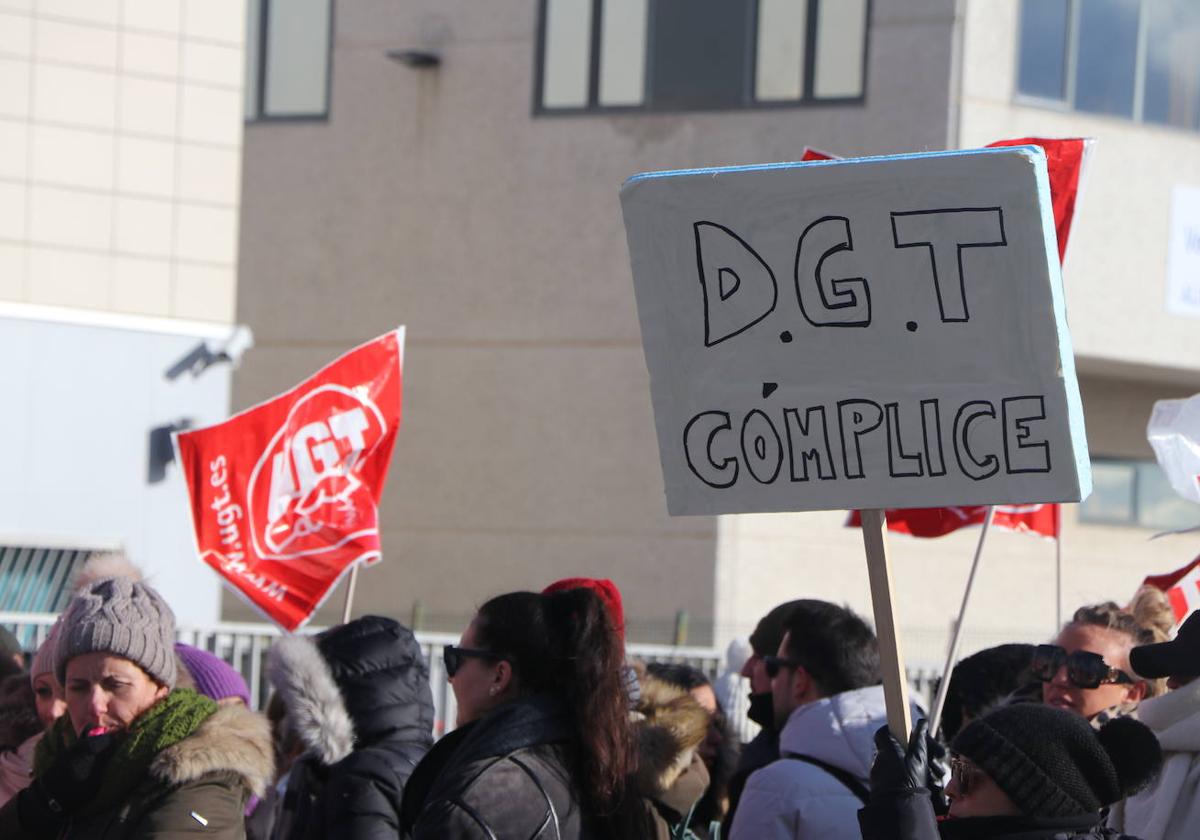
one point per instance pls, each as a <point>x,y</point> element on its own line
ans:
<point>891,659</point>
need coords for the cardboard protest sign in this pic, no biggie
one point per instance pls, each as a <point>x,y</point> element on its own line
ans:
<point>937,522</point>
<point>284,496</point>
<point>870,333</point>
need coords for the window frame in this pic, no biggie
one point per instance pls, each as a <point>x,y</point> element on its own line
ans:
<point>1135,465</point>
<point>260,76</point>
<point>593,106</point>
<point>1067,103</point>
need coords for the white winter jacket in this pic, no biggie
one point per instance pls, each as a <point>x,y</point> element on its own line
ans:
<point>1170,808</point>
<point>794,800</point>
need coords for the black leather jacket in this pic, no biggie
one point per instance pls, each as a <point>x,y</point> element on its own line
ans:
<point>505,775</point>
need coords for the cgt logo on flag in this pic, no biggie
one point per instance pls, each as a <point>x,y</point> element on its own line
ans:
<point>284,496</point>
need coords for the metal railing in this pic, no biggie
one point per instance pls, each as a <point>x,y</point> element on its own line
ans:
<point>244,646</point>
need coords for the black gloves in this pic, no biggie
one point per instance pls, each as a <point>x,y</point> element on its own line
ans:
<point>896,769</point>
<point>67,784</point>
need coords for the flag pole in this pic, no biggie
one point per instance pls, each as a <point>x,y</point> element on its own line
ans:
<point>952,654</point>
<point>350,594</point>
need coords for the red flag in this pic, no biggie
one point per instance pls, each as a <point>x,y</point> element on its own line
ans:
<point>815,154</point>
<point>937,522</point>
<point>1182,587</point>
<point>1064,161</point>
<point>284,496</point>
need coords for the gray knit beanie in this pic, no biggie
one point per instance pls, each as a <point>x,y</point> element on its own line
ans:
<point>123,617</point>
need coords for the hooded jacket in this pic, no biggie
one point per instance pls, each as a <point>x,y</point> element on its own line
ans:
<point>357,696</point>
<point>1170,807</point>
<point>198,786</point>
<point>791,799</point>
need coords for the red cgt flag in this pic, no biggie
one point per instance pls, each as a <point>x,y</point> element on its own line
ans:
<point>1182,587</point>
<point>937,522</point>
<point>1064,161</point>
<point>284,496</point>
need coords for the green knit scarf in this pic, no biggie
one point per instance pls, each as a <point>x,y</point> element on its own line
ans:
<point>164,724</point>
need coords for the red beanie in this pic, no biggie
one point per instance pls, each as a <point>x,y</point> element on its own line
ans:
<point>603,587</point>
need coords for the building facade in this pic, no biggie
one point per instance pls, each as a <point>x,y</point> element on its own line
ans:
<point>120,162</point>
<point>458,172</point>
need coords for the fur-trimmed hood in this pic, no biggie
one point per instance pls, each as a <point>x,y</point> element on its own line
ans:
<point>671,728</point>
<point>352,686</point>
<point>232,739</point>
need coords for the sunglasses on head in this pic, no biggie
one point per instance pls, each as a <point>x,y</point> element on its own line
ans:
<point>454,656</point>
<point>1084,668</point>
<point>775,664</point>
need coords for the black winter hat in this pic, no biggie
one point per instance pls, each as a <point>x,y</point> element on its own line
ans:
<point>1052,763</point>
<point>768,633</point>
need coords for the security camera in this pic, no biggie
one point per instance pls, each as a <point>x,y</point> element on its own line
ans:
<point>239,341</point>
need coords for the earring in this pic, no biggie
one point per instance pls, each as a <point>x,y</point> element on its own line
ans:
<point>492,691</point>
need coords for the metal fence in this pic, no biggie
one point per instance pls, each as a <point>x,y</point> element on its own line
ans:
<point>244,646</point>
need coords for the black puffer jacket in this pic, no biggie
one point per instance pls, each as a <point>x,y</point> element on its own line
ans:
<point>358,698</point>
<point>503,776</point>
<point>908,815</point>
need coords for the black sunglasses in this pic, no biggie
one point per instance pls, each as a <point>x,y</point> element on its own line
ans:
<point>453,656</point>
<point>1084,668</point>
<point>775,664</point>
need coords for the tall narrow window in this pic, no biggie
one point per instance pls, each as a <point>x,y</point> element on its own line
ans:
<point>1107,62</point>
<point>1173,64</point>
<point>782,33</point>
<point>1042,65</point>
<point>287,58</point>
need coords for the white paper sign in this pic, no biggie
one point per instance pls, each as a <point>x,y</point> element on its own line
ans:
<point>1183,252</point>
<point>871,333</point>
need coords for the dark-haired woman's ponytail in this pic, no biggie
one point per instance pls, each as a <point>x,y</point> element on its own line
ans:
<point>591,681</point>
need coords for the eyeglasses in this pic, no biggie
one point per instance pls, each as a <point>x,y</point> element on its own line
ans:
<point>1084,668</point>
<point>453,656</point>
<point>964,774</point>
<point>775,664</point>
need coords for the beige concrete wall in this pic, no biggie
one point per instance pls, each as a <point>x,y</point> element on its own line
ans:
<point>120,154</point>
<point>435,198</point>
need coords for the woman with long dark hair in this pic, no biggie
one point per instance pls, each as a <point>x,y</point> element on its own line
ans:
<point>543,746</point>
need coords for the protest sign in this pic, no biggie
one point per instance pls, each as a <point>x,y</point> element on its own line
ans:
<point>284,496</point>
<point>869,333</point>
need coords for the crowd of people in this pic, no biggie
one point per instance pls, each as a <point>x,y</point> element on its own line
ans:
<point>111,729</point>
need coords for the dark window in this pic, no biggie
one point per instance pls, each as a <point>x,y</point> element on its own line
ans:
<point>1173,64</point>
<point>1042,67</point>
<point>287,58</point>
<point>1107,63</point>
<point>1128,492</point>
<point>1138,59</point>
<point>673,55</point>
